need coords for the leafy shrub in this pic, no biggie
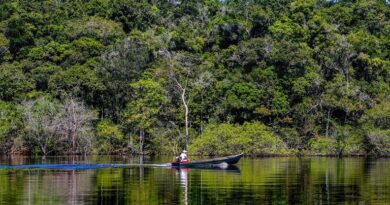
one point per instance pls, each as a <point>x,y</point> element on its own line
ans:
<point>323,146</point>
<point>252,138</point>
<point>344,140</point>
<point>377,142</point>
<point>376,126</point>
<point>10,125</point>
<point>109,137</point>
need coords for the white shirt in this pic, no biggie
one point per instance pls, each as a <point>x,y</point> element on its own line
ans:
<point>183,156</point>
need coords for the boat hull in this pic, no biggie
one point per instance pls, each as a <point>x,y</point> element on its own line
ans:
<point>228,160</point>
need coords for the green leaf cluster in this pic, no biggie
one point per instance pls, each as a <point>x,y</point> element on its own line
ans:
<point>252,138</point>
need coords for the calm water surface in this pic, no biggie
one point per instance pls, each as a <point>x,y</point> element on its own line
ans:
<point>252,181</point>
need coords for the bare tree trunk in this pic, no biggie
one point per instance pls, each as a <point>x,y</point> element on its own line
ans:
<point>183,91</point>
<point>141,141</point>
<point>327,123</point>
<point>201,117</point>
<point>74,122</point>
<point>73,136</point>
<point>185,104</point>
<point>43,149</point>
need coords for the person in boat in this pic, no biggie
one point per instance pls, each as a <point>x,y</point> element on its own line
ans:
<point>183,156</point>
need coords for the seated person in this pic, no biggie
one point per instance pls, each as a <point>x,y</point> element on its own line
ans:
<point>183,156</point>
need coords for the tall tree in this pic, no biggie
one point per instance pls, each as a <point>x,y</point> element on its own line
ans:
<point>142,113</point>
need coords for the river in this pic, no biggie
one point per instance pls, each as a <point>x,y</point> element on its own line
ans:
<point>284,180</point>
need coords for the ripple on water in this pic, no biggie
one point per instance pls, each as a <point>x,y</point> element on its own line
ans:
<point>254,181</point>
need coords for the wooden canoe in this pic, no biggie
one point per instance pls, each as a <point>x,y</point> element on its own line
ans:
<point>229,160</point>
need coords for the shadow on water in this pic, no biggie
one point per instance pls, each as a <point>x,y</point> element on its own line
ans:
<point>230,169</point>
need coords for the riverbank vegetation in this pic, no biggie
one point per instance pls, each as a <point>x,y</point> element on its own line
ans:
<point>151,77</point>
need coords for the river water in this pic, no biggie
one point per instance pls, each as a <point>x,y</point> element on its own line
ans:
<point>252,181</point>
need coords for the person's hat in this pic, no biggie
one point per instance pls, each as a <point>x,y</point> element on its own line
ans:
<point>184,151</point>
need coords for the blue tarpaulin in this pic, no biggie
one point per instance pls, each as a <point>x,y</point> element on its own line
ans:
<point>76,166</point>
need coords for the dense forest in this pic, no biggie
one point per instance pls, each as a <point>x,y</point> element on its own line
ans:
<point>214,76</point>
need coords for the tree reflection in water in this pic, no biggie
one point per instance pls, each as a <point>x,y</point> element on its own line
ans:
<point>263,180</point>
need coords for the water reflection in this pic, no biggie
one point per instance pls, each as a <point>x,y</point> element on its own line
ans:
<point>183,176</point>
<point>253,181</point>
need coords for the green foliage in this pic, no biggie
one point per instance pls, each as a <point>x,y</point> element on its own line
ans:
<point>4,45</point>
<point>149,100</point>
<point>7,9</point>
<point>79,80</point>
<point>316,72</point>
<point>41,75</point>
<point>377,142</point>
<point>52,52</point>
<point>379,115</point>
<point>109,137</point>
<point>286,29</point>
<point>134,14</point>
<point>376,125</point>
<point>243,95</point>
<point>6,119</point>
<point>97,7</point>
<point>19,36</point>
<point>13,82</point>
<point>346,142</point>
<point>10,125</point>
<point>106,31</point>
<point>165,140</point>
<point>122,65</point>
<point>323,146</point>
<point>290,137</point>
<point>280,103</point>
<point>85,48</point>
<point>252,138</point>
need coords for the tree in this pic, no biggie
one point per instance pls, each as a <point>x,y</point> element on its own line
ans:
<point>338,58</point>
<point>109,137</point>
<point>241,99</point>
<point>18,35</point>
<point>105,31</point>
<point>122,65</point>
<point>376,128</point>
<point>13,82</point>
<point>79,81</point>
<point>202,83</point>
<point>85,48</point>
<point>134,14</point>
<point>51,52</point>
<point>11,125</point>
<point>181,71</point>
<point>54,127</point>
<point>142,113</point>
<point>41,75</point>
<point>40,117</point>
<point>4,48</point>
<point>74,124</point>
